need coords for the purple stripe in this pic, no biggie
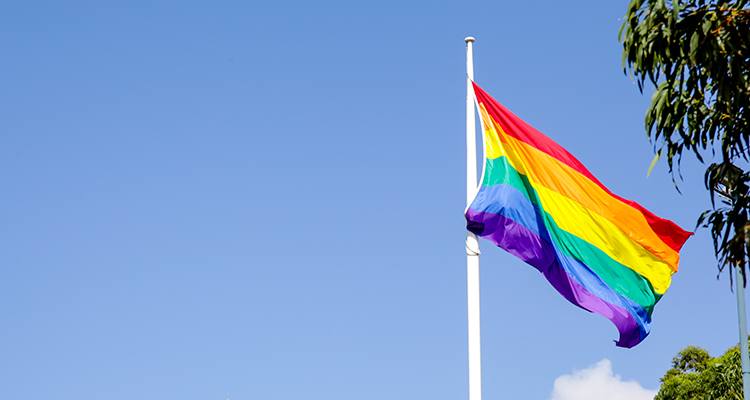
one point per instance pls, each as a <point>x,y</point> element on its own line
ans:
<point>529,247</point>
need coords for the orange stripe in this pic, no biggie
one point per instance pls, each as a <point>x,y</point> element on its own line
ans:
<point>544,170</point>
<point>667,231</point>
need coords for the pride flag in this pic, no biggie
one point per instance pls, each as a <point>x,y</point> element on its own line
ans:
<point>603,253</point>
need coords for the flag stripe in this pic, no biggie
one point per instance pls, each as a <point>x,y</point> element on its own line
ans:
<point>554,176</point>
<point>601,252</point>
<point>631,320</point>
<point>667,231</point>
<point>528,212</point>
<point>570,216</point>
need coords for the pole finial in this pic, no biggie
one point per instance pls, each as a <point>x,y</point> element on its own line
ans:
<point>469,39</point>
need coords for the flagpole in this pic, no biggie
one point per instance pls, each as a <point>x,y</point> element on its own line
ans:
<point>742,316</point>
<point>472,245</point>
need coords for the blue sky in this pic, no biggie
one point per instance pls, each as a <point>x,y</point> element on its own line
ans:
<point>265,200</point>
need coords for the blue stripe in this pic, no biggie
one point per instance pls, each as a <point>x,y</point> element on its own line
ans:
<point>511,203</point>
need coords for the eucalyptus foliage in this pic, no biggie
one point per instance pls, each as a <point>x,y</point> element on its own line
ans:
<point>696,375</point>
<point>696,55</point>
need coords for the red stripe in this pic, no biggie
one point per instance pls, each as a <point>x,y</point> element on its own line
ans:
<point>671,234</point>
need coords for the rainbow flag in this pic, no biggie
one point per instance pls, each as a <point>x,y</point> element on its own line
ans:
<point>603,253</point>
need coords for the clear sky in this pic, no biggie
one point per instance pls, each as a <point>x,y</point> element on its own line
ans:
<point>265,200</point>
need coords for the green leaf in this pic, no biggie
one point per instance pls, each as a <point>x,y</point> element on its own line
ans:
<point>653,163</point>
<point>696,53</point>
<point>694,40</point>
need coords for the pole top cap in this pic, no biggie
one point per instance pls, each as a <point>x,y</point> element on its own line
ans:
<point>469,39</point>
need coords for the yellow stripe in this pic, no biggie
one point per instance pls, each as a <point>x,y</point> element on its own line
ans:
<point>585,210</point>
<point>545,172</point>
<point>492,147</point>
<point>596,230</point>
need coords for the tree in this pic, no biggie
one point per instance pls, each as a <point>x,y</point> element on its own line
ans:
<point>697,376</point>
<point>696,53</point>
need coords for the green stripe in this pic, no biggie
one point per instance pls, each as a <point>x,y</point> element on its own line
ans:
<point>619,277</point>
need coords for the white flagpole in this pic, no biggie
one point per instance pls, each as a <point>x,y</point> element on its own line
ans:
<point>472,245</point>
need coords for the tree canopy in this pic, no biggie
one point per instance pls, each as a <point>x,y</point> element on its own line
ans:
<point>696,54</point>
<point>696,375</point>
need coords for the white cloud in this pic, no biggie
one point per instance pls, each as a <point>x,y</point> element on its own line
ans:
<point>598,383</point>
